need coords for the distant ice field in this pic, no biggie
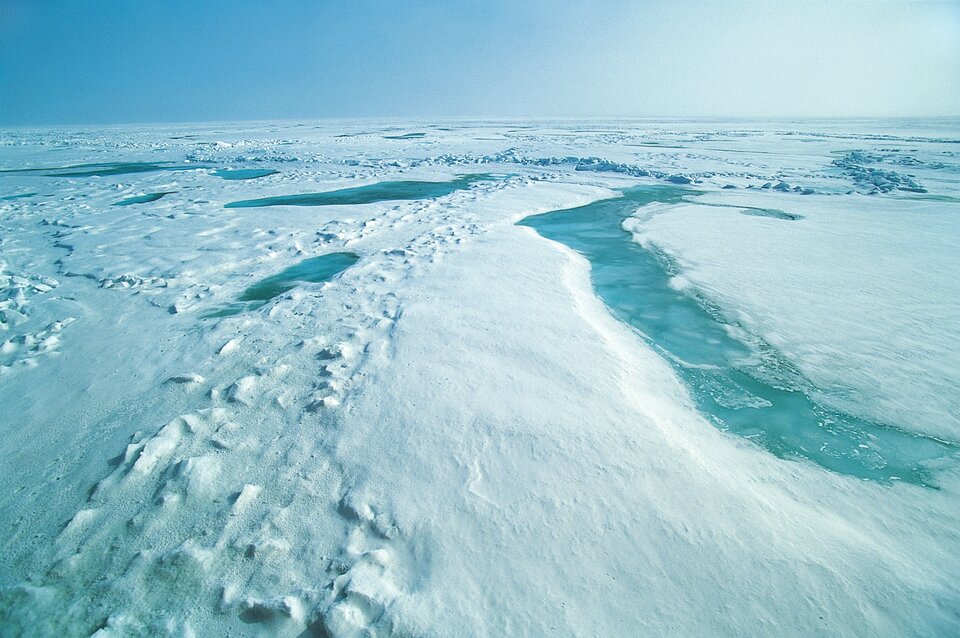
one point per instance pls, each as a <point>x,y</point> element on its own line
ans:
<point>361,378</point>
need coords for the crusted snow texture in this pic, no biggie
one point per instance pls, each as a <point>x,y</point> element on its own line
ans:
<point>454,436</point>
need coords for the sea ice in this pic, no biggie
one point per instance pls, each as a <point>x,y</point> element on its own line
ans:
<point>456,435</point>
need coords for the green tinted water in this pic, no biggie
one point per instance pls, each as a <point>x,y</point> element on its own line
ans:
<point>244,173</point>
<point>142,199</point>
<point>313,270</point>
<point>379,192</point>
<point>748,389</point>
<point>102,169</point>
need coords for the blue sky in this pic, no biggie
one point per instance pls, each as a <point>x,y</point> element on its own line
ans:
<point>101,61</point>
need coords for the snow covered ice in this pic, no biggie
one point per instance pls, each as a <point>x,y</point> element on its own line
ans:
<point>362,378</point>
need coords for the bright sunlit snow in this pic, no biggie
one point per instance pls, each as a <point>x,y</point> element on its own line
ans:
<point>603,378</point>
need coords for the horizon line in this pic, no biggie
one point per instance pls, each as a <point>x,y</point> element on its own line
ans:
<point>480,118</point>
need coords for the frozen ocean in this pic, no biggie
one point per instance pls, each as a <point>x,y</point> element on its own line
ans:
<point>481,378</point>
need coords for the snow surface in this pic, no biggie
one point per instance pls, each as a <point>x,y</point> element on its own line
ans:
<point>863,294</point>
<point>454,436</point>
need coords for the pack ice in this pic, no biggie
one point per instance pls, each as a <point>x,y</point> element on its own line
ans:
<point>467,378</point>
